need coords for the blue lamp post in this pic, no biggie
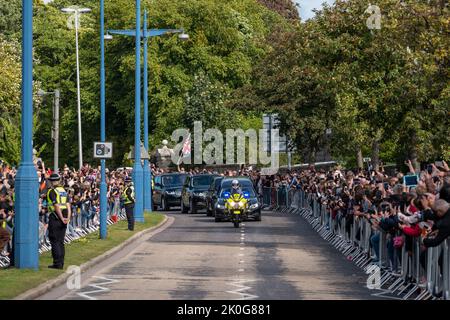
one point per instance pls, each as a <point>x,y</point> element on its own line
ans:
<point>147,171</point>
<point>145,188</point>
<point>26,255</point>
<point>103,201</point>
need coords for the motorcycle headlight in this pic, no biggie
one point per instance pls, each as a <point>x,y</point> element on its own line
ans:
<point>232,203</point>
<point>241,204</point>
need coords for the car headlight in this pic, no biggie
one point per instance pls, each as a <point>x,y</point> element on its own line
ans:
<point>173,193</point>
<point>200,194</point>
<point>254,206</point>
<point>220,206</point>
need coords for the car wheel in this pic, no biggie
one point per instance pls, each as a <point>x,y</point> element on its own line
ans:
<point>164,205</point>
<point>208,211</point>
<point>192,206</point>
<point>258,218</point>
<point>183,208</point>
<point>217,219</point>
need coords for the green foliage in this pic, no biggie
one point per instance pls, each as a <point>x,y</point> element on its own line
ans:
<point>10,17</point>
<point>387,86</point>
<point>227,39</point>
<point>9,142</point>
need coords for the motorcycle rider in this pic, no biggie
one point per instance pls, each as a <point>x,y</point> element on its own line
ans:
<point>236,187</point>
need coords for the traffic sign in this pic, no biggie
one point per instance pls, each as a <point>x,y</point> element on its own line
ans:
<point>103,150</point>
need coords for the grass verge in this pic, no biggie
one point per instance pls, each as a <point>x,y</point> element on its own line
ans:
<point>14,281</point>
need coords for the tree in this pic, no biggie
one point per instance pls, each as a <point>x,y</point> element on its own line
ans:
<point>382,91</point>
<point>226,42</point>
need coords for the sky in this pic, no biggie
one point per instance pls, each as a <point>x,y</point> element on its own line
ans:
<point>306,7</point>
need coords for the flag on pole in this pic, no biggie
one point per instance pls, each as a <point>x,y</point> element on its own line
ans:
<point>186,150</point>
<point>187,146</point>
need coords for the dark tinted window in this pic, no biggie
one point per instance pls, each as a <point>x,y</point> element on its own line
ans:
<point>202,180</point>
<point>245,189</point>
<point>173,180</point>
<point>217,183</point>
<point>245,183</point>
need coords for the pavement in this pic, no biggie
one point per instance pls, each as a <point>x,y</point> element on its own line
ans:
<point>194,258</point>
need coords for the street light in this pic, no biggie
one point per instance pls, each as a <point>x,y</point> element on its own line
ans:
<point>55,129</point>
<point>26,223</point>
<point>142,177</point>
<point>77,12</point>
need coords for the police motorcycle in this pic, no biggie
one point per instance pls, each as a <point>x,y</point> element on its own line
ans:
<point>236,206</point>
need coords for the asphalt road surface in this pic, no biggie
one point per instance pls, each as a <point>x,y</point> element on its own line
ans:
<point>193,258</point>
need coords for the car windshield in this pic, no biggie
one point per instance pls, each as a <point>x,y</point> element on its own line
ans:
<point>250,191</point>
<point>202,181</point>
<point>173,180</point>
<point>244,184</point>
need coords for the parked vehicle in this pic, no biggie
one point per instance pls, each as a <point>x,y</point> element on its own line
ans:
<point>212,195</point>
<point>254,205</point>
<point>193,194</point>
<point>167,190</point>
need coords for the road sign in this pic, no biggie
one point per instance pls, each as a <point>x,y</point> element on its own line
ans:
<point>103,150</point>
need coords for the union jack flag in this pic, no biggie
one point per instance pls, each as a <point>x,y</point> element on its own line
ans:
<point>187,146</point>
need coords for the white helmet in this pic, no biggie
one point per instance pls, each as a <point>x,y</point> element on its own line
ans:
<point>235,184</point>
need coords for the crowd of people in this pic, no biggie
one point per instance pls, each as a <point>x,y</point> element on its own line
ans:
<point>387,202</point>
<point>402,209</point>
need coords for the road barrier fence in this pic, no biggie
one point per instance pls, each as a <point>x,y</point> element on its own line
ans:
<point>401,274</point>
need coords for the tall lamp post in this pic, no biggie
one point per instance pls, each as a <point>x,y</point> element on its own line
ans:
<point>103,200</point>
<point>143,184</point>
<point>77,12</point>
<point>55,129</point>
<point>26,253</point>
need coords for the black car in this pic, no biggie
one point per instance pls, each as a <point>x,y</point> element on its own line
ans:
<point>167,190</point>
<point>212,194</point>
<point>193,195</point>
<point>254,209</point>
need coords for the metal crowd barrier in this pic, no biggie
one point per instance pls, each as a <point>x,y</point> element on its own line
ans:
<point>77,228</point>
<point>355,238</point>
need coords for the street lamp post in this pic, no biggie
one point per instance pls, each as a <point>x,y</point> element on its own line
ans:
<point>77,12</point>
<point>145,34</point>
<point>147,171</point>
<point>26,253</point>
<point>103,191</point>
<point>55,129</point>
<point>137,168</point>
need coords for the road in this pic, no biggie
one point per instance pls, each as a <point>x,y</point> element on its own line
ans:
<point>196,258</point>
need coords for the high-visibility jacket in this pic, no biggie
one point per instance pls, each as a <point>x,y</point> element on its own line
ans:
<point>128,200</point>
<point>61,199</point>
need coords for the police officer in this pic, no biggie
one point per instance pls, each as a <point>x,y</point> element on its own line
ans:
<point>236,187</point>
<point>59,216</point>
<point>128,196</point>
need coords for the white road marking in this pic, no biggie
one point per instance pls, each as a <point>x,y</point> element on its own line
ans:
<point>241,288</point>
<point>97,286</point>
